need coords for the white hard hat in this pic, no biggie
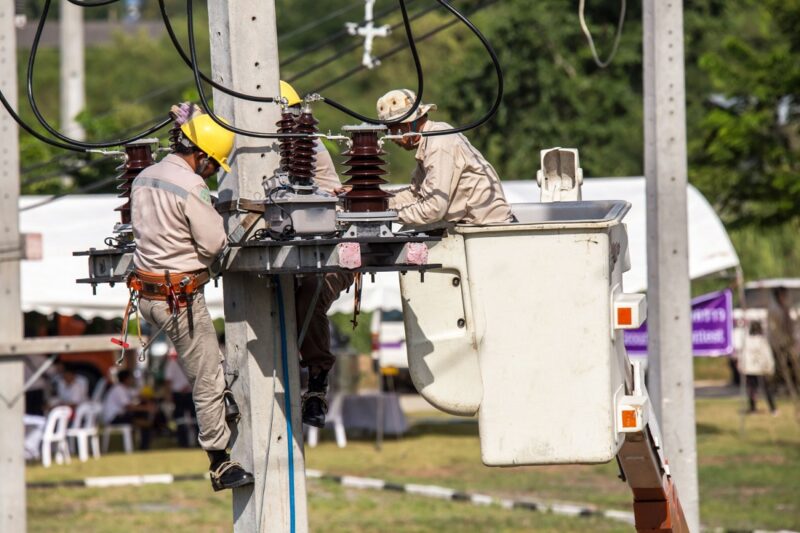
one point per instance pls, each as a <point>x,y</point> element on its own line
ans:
<point>397,103</point>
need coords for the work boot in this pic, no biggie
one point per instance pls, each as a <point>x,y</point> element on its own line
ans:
<point>227,474</point>
<point>232,414</point>
<point>314,404</point>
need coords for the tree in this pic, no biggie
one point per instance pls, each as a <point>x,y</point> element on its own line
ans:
<point>746,154</point>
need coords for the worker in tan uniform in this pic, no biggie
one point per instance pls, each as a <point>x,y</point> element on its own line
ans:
<point>452,181</point>
<point>315,350</point>
<point>178,237</point>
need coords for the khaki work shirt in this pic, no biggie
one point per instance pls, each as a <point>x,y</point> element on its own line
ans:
<point>174,224</point>
<point>325,175</point>
<point>452,182</point>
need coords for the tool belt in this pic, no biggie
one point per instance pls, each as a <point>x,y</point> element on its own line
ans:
<point>177,289</point>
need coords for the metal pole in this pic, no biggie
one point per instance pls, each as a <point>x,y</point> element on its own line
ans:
<point>12,458</point>
<point>669,313</point>
<point>73,85</point>
<point>244,56</point>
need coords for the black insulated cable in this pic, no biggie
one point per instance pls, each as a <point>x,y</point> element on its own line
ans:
<point>420,80</point>
<point>460,18</point>
<point>338,54</point>
<point>336,36</point>
<point>92,4</point>
<point>186,59</point>
<point>32,100</point>
<point>192,62</point>
<point>32,131</point>
<point>201,92</point>
<point>498,70</point>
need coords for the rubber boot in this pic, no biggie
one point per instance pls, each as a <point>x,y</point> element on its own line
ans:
<point>227,474</point>
<point>314,404</point>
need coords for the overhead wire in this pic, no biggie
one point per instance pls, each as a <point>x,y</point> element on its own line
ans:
<point>264,135</point>
<point>43,121</point>
<point>86,188</point>
<point>588,34</point>
<point>459,18</point>
<point>99,3</point>
<point>339,53</point>
<point>334,37</point>
<point>420,79</point>
<point>498,71</point>
<point>319,22</point>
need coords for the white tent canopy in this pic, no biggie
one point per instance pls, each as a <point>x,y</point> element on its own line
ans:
<point>80,222</point>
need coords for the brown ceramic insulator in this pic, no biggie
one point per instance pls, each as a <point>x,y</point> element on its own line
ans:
<point>140,156</point>
<point>286,125</point>
<point>365,162</point>
<point>304,158</point>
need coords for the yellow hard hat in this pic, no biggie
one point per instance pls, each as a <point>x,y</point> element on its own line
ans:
<point>291,96</point>
<point>211,138</point>
<point>147,393</point>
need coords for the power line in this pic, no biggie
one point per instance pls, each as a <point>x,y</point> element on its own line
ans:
<point>43,121</point>
<point>588,34</point>
<point>338,54</point>
<point>311,25</point>
<point>86,188</point>
<point>355,70</point>
<point>333,38</point>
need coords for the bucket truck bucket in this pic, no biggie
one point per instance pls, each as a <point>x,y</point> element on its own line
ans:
<point>532,335</point>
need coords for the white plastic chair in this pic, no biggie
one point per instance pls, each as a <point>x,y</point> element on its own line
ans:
<point>126,430</point>
<point>85,431</point>
<point>334,417</point>
<point>55,436</point>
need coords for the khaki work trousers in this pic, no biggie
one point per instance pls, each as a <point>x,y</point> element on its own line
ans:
<point>315,352</point>
<point>201,360</point>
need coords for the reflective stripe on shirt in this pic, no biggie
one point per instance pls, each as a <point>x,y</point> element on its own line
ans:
<point>153,183</point>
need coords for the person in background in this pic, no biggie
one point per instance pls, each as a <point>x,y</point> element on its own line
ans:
<point>122,406</point>
<point>781,337</point>
<point>72,389</point>
<point>181,392</point>
<point>757,365</point>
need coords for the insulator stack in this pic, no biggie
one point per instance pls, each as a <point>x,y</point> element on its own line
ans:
<point>286,125</point>
<point>140,156</point>
<point>303,163</point>
<point>365,162</point>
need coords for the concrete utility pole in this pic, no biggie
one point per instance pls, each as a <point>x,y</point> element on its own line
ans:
<point>73,72</point>
<point>12,458</point>
<point>671,383</point>
<point>244,56</point>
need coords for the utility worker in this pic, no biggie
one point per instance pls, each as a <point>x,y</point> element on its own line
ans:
<point>452,181</point>
<point>178,237</point>
<point>315,350</point>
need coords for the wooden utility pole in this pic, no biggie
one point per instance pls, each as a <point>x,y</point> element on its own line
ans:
<point>669,323</point>
<point>73,75</point>
<point>244,56</point>
<point>12,458</point>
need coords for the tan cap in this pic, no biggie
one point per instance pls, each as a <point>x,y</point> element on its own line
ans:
<point>395,104</point>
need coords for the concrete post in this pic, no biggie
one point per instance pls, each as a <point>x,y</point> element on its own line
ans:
<point>244,56</point>
<point>12,458</point>
<point>671,383</point>
<point>73,73</point>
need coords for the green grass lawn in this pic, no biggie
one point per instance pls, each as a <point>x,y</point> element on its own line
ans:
<point>749,482</point>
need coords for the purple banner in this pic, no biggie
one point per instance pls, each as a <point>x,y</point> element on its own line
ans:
<point>712,327</point>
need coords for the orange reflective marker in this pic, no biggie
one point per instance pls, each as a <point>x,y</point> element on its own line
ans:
<point>629,418</point>
<point>624,316</point>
